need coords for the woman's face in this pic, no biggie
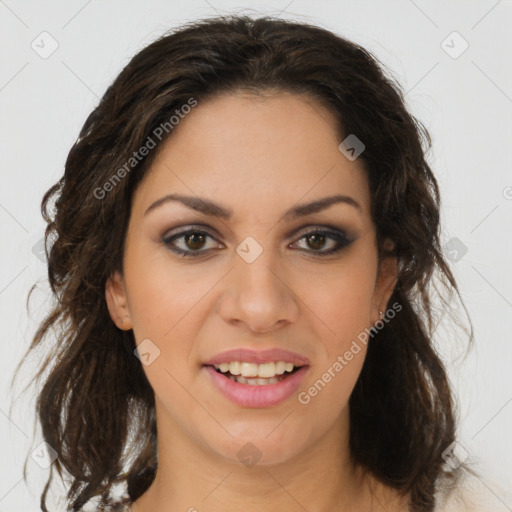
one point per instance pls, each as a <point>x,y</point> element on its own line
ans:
<point>254,276</point>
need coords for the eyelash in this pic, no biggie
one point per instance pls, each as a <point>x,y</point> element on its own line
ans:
<point>338,236</point>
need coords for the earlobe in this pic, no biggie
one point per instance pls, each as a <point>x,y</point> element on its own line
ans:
<point>386,283</point>
<point>389,277</point>
<point>117,304</point>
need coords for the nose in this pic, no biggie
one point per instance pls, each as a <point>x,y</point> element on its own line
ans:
<point>258,296</point>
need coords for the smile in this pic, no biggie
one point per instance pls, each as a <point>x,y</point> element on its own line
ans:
<point>252,385</point>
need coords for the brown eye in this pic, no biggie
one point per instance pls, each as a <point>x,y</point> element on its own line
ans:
<point>189,243</point>
<point>194,240</point>
<point>318,239</point>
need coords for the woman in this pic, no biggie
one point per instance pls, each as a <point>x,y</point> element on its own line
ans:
<point>244,244</point>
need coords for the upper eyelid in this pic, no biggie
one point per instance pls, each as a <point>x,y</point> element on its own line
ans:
<point>300,233</point>
<point>296,232</point>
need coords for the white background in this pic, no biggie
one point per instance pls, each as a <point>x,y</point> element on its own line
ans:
<point>465,102</point>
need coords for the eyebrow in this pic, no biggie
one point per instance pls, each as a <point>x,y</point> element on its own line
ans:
<point>208,207</point>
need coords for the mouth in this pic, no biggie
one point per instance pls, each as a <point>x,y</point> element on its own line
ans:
<point>267,385</point>
<point>256,374</point>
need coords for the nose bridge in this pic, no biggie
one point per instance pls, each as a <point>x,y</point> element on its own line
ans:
<point>256,275</point>
<point>255,292</point>
<point>260,276</point>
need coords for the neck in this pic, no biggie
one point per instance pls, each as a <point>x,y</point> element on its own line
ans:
<point>192,477</point>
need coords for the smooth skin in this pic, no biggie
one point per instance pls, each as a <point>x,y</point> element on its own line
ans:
<point>258,157</point>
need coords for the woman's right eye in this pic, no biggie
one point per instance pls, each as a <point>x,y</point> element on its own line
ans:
<point>192,242</point>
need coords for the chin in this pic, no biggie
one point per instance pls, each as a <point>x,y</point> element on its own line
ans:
<point>257,447</point>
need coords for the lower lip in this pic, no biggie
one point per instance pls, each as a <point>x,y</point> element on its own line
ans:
<point>266,395</point>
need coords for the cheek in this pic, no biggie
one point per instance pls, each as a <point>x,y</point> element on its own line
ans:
<point>343,306</point>
<point>164,308</point>
<point>162,295</point>
<point>332,380</point>
<point>343,301</point>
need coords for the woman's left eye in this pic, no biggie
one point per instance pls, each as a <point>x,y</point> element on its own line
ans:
<point>317,239</point>
<point>193,241</point>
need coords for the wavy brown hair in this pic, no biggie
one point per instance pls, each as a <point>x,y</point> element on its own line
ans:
<point>95,405</point>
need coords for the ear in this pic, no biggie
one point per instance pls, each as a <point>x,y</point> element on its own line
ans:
<point>115,295</point>
<point>387,278</point>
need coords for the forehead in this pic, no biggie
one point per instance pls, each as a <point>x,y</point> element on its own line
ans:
<point>245,150</point>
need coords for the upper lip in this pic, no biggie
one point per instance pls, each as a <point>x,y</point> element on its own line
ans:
<point>258,357</point>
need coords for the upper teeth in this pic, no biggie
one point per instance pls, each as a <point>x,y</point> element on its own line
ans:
<point>265,370</point>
